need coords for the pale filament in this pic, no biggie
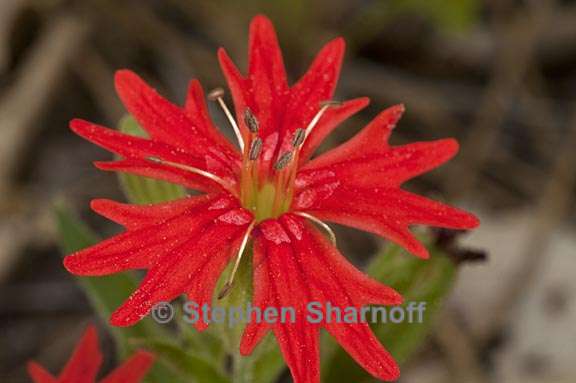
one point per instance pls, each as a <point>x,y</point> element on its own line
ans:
<point>217,94</point>
<point>228,285</point>
<point>325,106</point>
<point>194,170</point>
<point>317,221</point>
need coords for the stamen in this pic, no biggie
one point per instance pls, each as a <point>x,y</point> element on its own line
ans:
<point>299,137</point>
<point>216,95</point>
<point>229,283</point>
<point>330,103</point>
<point>324,106</point>
<point>283,160</point>
<point>324,226</point>
<point>251,121</point>
<point>194,170</point>
<point>255,149</point>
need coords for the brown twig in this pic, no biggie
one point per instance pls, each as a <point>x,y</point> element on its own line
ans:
<point>30,94</point>
<point>19,112</point>
<point>142,25</point>
<point>459,349</point>
<point>515,55</point>
<point>98,78</point>
<point>9,11</point>
<point>551,210</point>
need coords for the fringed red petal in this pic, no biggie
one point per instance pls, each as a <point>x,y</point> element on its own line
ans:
<point>280,109</point>
<point>358,184</point>
<point>166,122</point>
<point>197,112</point>
<point>295,265</point>
<point>329,121</point>
<point>133,370</point>
<point>316,85</point>
<point>86,360</point>
<point>384,211</point>
<point>371,140</point>
<point>39,374</point>
<point>166,173</point>
<point>177,242</point>
<point>84,364</point>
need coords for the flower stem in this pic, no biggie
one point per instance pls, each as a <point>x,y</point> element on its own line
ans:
<point>242,368</point>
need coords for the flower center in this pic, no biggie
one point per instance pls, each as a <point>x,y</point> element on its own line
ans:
<point>267,187</point>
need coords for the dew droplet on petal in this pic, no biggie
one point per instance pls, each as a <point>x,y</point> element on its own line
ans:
<point>236,217</point>
<point>306,199</point>
<point>309,178</point>
<point>294,226</point>
<point>313,196</point>
<point>220,204</point>
<point>274,232</point>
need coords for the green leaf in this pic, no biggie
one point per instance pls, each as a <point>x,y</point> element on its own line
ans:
<point>109,292</point>
<point>143,190</point>
<point>418,281</point>
<point>449,15</point>
<point>186,364</point>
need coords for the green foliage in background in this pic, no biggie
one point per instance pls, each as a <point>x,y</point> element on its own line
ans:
<point>448,16</point>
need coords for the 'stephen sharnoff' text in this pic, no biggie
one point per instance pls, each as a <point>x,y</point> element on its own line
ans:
<point>314,313</point>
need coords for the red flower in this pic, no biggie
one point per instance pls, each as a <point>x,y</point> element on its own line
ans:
<point>270,191</point>
<point>84,364</point>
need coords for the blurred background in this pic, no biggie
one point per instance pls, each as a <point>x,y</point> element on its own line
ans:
<point>499,75</point>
